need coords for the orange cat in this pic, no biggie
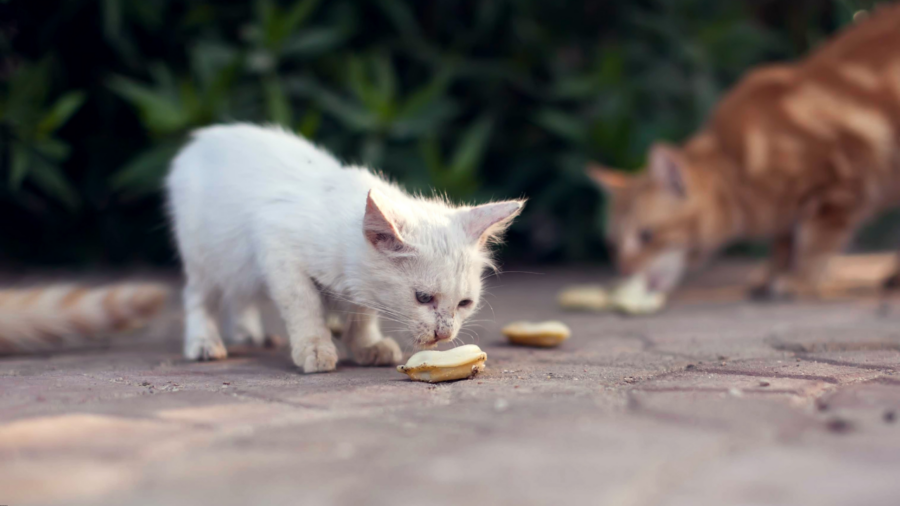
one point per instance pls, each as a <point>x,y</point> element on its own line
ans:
<point>800,154</point>
<point>61,316</point>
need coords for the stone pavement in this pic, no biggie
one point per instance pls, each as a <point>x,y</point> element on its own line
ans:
<point>716,401</point>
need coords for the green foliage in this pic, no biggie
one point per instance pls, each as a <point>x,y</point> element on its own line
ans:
<point>475,99</point>
<point>29,119</point>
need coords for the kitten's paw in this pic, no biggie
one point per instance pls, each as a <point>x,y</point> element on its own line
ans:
<point>383,352</point>
<point>316,355</point>
<point>204,349</point>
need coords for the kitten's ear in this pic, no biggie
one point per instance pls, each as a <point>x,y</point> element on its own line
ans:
<point>378,226</point>
<point>610,180</point>
<point>667,168</point>
<point>487,222</point>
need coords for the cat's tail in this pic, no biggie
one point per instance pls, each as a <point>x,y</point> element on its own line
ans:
<point>63,316</point>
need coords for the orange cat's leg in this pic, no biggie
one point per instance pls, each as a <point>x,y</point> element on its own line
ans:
<point>781,260</point>
<point>819,236</point>
<point>824,230</point>
<point>892,282</point>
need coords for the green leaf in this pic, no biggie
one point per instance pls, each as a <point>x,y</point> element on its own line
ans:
<point>430,150</point>
<point>277,105</point>
<point>145,172</point>
<point>472,147</point>
<point>54,149</point>
<point>21,159</point>
<point>314,41</point>
<point>344,110</point>
<point>426,121</point>
<point>50,179</point>
<point>61,111</point>
<point>365,91</point>
<point>27,92</point>
<point>385,79</point>
<point>425,96</point>
<point>403,19</point>
<point>373,150</point>
<point>295,17</point>
<point>207,61</point>
<point>562,124</point>
<point>112,19</point>
<point>160,113</point>
<point>266,14</point>
<point>309,125</point>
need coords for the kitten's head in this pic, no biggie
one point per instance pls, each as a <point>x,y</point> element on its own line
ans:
<point>425,264</point>
<point>658,219</point>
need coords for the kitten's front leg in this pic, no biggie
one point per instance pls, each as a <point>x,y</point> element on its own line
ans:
<point>300,304</point>
<point>366,344</point>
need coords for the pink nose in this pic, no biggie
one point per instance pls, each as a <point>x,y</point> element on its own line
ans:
<point>442,335</point>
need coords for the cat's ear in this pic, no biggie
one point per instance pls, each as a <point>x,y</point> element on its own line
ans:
<point>486,223</point>
<point>379,227</point>
<point>667,168</point>
<point>610,180</point>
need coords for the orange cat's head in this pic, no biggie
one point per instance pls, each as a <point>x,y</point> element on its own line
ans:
<point>660,220</point>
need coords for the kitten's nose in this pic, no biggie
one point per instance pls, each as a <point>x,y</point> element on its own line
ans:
<point>442,335</point>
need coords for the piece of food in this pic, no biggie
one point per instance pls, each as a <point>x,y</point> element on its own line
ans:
<point>544,334</point>
<point>435,366</point>
<point>584,298</point>
<point>633,297</point>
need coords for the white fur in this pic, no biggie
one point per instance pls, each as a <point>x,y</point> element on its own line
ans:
<point>261,211</point>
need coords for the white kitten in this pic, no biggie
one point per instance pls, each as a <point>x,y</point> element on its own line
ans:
<point>261,211</point>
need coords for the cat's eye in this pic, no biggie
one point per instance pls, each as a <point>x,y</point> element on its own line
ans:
<point>424,298</point>
<point>646,236</point>
<point>465,303</point>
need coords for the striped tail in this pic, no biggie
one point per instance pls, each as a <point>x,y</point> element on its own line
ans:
<point>61,316</point>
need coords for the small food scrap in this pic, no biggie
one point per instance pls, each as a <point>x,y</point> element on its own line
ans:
<point>434,366</point>
<point>544,334</point>
<point>634,297</point>
<point>584,298</point>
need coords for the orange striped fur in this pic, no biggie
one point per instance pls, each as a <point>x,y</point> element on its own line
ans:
<point>46,318</point>
<point>801,154</point>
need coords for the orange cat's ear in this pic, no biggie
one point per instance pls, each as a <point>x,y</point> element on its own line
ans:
<point>667,168</point>
<point>608,179</point>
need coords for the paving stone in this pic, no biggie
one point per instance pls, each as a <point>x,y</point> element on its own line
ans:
<point>714,401</point>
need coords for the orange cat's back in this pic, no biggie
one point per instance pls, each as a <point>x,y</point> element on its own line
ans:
<point>833,116</point>
<point>799,153</point>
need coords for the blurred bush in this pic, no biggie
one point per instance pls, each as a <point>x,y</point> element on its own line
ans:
<point>478,99</point>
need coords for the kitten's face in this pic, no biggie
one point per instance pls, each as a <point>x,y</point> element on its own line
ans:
<point>425,270</point>
<point>433,295</point>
